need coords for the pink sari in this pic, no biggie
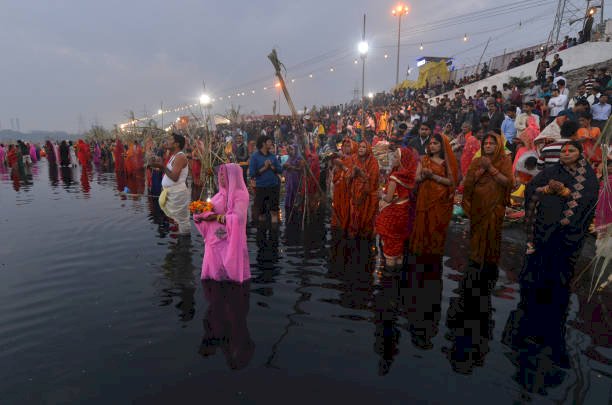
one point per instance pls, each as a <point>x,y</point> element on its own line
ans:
<point>33,153</point>
<point>226,256</point>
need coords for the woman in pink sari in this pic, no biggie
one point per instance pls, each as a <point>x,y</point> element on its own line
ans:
<point>33,155</point>
<point>224,229</point>
<point>97,156</point>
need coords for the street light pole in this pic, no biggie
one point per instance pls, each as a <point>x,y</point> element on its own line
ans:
<point>399,11</point>
<point>363,50</point>
<point>399,28</point>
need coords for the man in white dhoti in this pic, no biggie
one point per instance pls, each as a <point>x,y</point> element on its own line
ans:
<point>175,197</point>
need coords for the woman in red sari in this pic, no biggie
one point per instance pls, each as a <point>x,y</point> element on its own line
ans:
<point>118,156</point>
<point>363,193</point>
<point>341,190</point>
<point>434,206</point>
<point>83,153</point>
<point>487,188</point>
<point>392,221</point>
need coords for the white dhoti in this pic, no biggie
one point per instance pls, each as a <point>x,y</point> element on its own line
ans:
<point>176,206</point>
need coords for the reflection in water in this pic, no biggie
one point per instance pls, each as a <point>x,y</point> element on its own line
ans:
<point>422,303</point>
<point>178,270</point>
<point>416,295</point>
<point>85,186</point>
<point>352,262</point>
<point>157,217</point>
<point>53,176</point>
<point>67,176</point>
<point>469,319</point>
<point>267,238</point>
<point>225,324</point>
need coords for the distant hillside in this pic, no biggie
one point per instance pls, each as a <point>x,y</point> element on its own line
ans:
<point>34,136</point>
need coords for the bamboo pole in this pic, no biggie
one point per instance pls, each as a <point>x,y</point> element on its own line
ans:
<point>277,67</point>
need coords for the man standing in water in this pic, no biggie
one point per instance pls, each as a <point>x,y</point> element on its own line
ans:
<point>177,199</point>
<point>264,168</point>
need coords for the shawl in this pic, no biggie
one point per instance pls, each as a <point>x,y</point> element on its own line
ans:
<point>405,174</point>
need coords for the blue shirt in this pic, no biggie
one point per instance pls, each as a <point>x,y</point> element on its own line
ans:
<point>601,112</point>
<point>508,128</point>
<point>269,177</point>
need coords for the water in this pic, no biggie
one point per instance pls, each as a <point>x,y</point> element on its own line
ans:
<point>100,305</point>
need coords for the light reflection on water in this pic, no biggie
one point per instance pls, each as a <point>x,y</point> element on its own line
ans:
<point>96,293</point>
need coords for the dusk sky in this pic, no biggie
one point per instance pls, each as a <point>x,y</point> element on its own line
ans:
<point>98,59</point>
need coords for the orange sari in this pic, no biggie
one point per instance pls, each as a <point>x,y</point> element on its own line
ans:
<point>364,195</point>
<point>341,195</point>
<point>484,202</point>
<point>434,207</point>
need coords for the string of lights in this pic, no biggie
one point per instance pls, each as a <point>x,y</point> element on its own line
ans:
<point>333,61</point>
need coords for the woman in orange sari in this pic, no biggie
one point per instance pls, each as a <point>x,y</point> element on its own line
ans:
<point>434,206</point>
<point>130,159</point>
<point>392,222</point>
<point>341,190</point>
<point>588,136</point>
<point>363,193</point>
<point>486,194</point>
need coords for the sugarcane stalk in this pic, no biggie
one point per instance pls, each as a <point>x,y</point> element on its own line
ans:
<point>277,67</point>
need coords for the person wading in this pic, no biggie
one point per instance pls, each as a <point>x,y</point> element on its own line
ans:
<point>177,195</point>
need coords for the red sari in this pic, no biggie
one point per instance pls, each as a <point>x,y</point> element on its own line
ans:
<point>434,207</point>
<point>363,195</point>
<point>472,145</point>
<point>83,153</point>
<point>341,195</point>
<point>392,221</point>
<point>118,156</point>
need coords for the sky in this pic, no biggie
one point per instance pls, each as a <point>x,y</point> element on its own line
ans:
<point>68,64</point>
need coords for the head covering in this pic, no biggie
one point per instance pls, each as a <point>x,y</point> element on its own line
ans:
<point>405,174</point>
<point>499,149</point>
<point>234,190</point>
<point>354,145</point>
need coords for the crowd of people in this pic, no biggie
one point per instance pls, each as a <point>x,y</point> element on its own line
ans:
<point>394,174</point>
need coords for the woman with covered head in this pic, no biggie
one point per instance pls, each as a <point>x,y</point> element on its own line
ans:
<point>50,150</point>
<point>434,206</point>
<point>224,229</point>
<point>341,174</point>
<point>392,224</point>
<point>64,150</point>
<point>363,192</point>
<point>560,205</point>
<point>292,170</point>
<point>486,194</point>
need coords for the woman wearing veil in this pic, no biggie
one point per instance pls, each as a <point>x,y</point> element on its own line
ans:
<point>392,223</point>
<point>486,194</point>
<point>224,229</point>
<point>560,205</point>
<point>64,150</point>
<point>341,171</point>
<point>292,170</point>
<point>118,156</point>
<point>363,193</point>
<point>50,153</point>
<point>434,207</point>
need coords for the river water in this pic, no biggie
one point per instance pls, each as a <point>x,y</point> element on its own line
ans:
<point>101,305</point>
